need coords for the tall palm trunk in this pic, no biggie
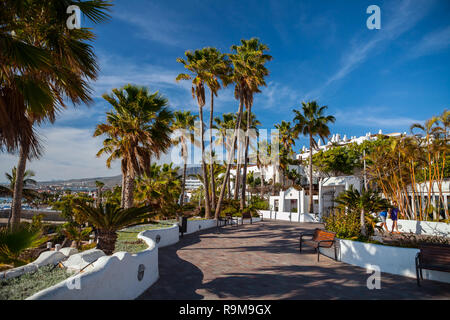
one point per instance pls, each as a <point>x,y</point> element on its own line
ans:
<point>129,191</point>
<point>262,183</point>
<point>229,180</point>
<point>204,169</point>
<point>237,181</point>
<point>183,184</point>
<point>16,206</point>
<point>213,184</point>
<point>244,174</point>
<point>363,222</point>
<point>230,157</point>
<point>311,204</point>
<point>99,196</point>
<point>124,182</point>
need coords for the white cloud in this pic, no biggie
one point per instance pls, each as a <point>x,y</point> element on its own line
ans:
<point>69,153</point>
<point>432,42</point>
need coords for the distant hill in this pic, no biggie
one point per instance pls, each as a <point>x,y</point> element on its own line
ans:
<point>108,181</point>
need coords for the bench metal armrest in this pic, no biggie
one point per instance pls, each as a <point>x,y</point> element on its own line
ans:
<point>307,234</point>
<point>321,241</point>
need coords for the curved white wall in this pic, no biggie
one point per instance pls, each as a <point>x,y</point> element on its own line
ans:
<point>167,236</point>
<point>116,276</point>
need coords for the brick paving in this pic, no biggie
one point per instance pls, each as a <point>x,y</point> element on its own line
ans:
<point>261,261</point>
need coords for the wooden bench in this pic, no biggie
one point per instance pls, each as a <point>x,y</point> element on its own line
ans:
<point>432,257</point>
<point>319,239</point>
<point>230,219</point>
<point>247,215</point>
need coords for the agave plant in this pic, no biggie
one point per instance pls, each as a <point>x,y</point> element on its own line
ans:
<point>14,241</point>
<point>109,218</point>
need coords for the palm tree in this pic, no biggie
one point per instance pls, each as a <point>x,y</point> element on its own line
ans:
<point>43,67</point>
<point>137,129</point>
<point>184,121</point>
<point>310,123</point>
<point>249,121</point>
<point>14,241</point>
<point>161,188</point>
<point>223,125</point>
<point>28,194</point>
<point>249,71</point>
<point>217,67</point>
<point>99,185</point>
<point>366,202</point>
<point>107,219</point>
<point>287,141</point>
<point>196,64</point>
<point>430,132</point>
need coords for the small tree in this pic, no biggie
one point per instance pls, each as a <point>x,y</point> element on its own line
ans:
<point>109,218</point>
<point>365,202</point>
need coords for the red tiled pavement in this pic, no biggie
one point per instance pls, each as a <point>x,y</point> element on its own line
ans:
<point>261,261</point>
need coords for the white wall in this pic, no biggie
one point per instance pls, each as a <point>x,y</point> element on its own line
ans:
<point>389,259</point>
<point>422,227</point>
<point>288,216</point>
<point>116,276</point>
<point>167,236</point>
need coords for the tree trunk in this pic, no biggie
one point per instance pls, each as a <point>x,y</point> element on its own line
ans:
<point>229,180</point>
<point>122,195</point>
<point>99,195</point>
<point>311,203</point>
<point>363,223</point>
<point>237,182</point>
<point>129,191</point>
<point>230,157</point>
<point>183,184</point>
<point>262,183</point>
<point>213,184</point>
<point>107,241</point>
<point>247,142</point>
<point>16,205</point>
<point>204,169</point>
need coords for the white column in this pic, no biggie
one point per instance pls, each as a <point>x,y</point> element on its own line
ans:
<point>320,198</point>
<point>281,207</point>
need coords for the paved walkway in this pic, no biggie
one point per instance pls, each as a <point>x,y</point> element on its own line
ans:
<point>261,261</point>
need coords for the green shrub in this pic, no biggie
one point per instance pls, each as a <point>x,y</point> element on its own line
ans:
<point>345,225</point>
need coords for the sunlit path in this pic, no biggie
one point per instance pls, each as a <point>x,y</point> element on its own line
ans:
<point>261,261</point>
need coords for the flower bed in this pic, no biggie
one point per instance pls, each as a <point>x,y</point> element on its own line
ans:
<point>26,285</point>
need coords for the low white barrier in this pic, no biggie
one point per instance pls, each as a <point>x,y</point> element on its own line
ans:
<point>389,259</point>
<point>288,216</point>
<point>422,227</point>
<point>121,275</point>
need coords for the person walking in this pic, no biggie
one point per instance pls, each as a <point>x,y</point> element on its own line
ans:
<point>394,218</point>
<point>383,216</point>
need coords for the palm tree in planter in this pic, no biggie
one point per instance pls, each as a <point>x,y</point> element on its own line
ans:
<point>109,218</point>
<point>312,122</point>
<point>365,202</point>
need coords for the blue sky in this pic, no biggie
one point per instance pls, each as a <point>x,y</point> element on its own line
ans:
<point>370,79</point>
